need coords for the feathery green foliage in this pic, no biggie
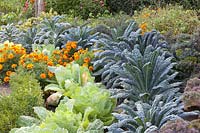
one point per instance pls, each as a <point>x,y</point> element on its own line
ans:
<point>26,93</point>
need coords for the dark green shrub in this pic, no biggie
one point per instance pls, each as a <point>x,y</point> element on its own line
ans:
<point>91,8</point>
<point>63,6</point>
<point>128,6</point>
<point>26,94</point>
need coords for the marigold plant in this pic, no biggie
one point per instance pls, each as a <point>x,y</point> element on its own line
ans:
<point>10,54</point>
<point>38,60</point>
<point>37,63</point>
<point>70,53</point>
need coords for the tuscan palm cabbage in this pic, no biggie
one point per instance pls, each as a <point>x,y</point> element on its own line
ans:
<point>112,53</point>
<point>83,35</point>
<point>27,38</point>
<point>9,33</point>
<point>51,30</point>
<point>143,76</point>
<point>146,118</point>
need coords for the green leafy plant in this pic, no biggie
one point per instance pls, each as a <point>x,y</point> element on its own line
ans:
<point>27,38</point>
<point>9,33</point>
<point>92,8</point>
<point>76,83</point>
<point>145,74</point>
<point>72,75</point>
<point>113,53</point>
<point>26,93</point>
<point>50,31</point>
<point>65,119</point>
<point>85,36</point>
<point>142,117</point>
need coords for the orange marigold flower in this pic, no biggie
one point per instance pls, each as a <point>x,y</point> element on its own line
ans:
<point>29,66</point>
<point>10,56</point>
<point>6,79</point>
<point>1,66</point>
<point>8,73</point>
<point>68,48</point>
<point>64,63</point>
<point>50,63</point>
<point>6,44</point>
<point>87,60</point>
<point>1,50</point>
<point>2,60</point>
<point>91,68</point>
<point>43,75</point>
<point>32,1</point>
<point>71,59</point>
<point>45,58</point>
<point>65,57</point>
<point>73,45</point>
<point>143,26</point>
<point>14,65</point>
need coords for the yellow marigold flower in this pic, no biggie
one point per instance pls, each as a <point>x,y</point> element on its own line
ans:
<point>91,68</point>
<point>50,74</point>
<point>76,56</point>
<point>14,65</point>
<point>65,52</point>
<point>6,79</point>
<point>29,66</point>
<point>10,56</point>
<point>85,64</point>
<point>80,50</point>
<point>43,76</point>
<point>2,60</point>
<point>56,52</point>
<point>87,60</point>
<point>73,45</point>
<point>1,66</point>
<point>8,73</point>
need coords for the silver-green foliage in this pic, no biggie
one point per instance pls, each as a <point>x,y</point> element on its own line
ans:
<point>9,33</point>
<point>146,118</point>
<point>143,76</point>
<point>84,35</point>
<point>113,53</point>
<point>50,32</point>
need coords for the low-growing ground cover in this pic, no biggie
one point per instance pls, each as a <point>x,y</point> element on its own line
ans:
<point>110,74</point>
